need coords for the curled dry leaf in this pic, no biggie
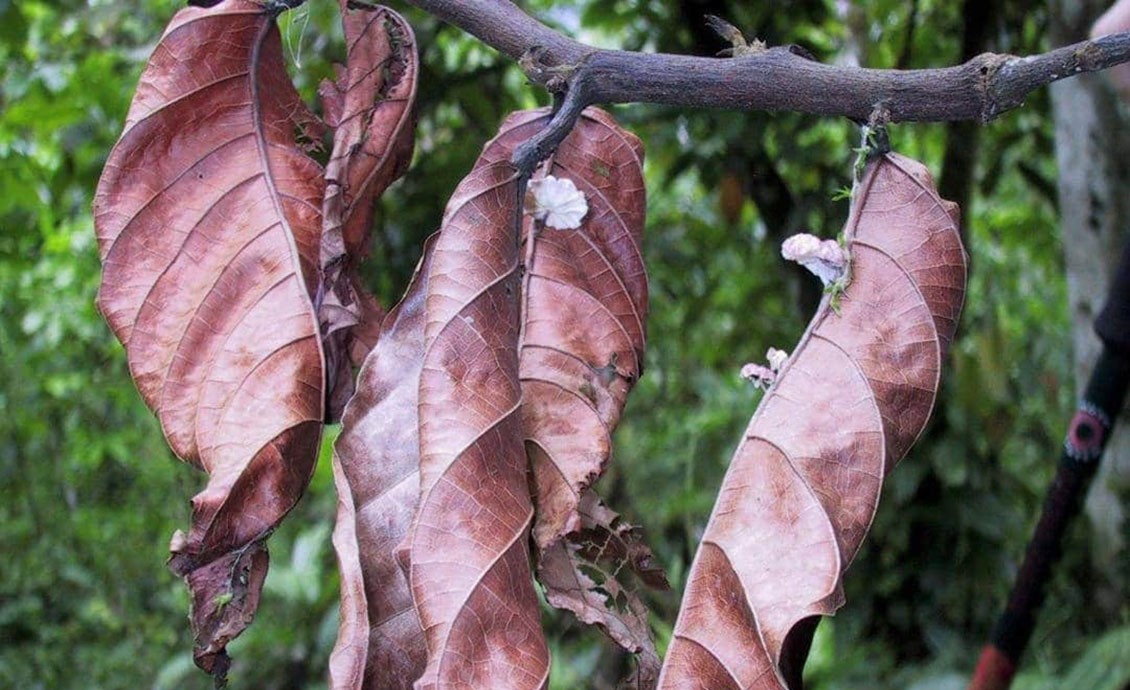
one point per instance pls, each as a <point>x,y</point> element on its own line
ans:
<point>582,573</point>
<point>467,551</point>
<point>208,227</point>
<point>583,334</point>
<point>371,107</point>
<point>579,351</point>
<point>584,314</point>
<point>847,405</point>
<point>380,644</point>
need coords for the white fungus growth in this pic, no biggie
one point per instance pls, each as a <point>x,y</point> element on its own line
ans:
<point>764,376</point>
<point>556,202</point>
<point>825,258</point>
<point>758,375</point>
<point>776,358</point>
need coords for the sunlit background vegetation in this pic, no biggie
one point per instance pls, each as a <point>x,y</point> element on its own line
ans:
<point>91,494</point>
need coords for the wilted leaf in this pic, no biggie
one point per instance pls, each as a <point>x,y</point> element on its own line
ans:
<point>467,553</point>
<point>582,574</point>
<point>584,316</point>
<point>208,225</point>
<point>371,108</point>
<point>584,311</point>
<point>380,643</point>
<point>804,484</point>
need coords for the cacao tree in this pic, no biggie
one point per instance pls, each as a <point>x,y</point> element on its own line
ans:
<point>232,220</point>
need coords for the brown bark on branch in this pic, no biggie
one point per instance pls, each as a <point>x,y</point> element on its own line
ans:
<point>776,79</point>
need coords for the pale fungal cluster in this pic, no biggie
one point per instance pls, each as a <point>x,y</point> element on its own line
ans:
<point>825,258</point>
<point>776,358</point>
<point>764,376</point>
<point>556,202</point>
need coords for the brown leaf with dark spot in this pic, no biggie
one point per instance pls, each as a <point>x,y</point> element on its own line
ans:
<point>380,644</point>
<point>371,107</point>
<point>584,315</point>
<point>804,484</point>
<point>208,223</point>
<point>467,553</point>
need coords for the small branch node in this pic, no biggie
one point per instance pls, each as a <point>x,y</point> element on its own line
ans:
<point>739,47</point>
<point>993,84</point>
<point>537,148</point>
<point>554,78</point>
<point>880,115</point>
<point>532,63</point>
<point>1089,57</point>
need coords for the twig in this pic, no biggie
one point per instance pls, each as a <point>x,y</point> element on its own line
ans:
<point>568,108</point>
<point>777,79</point>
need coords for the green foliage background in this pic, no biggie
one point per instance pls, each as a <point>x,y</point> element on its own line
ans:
<point>90,493</point>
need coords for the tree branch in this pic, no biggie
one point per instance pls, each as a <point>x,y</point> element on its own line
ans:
<point>779,79</point>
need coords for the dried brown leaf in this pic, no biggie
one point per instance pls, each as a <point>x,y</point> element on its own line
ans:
<point>804,484</point>
<point>582,573</point>
<point>584,313</point>
<point>467,553</point>
<point>208,226</point>
<point>371,107</point>
<point>380,644</point>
